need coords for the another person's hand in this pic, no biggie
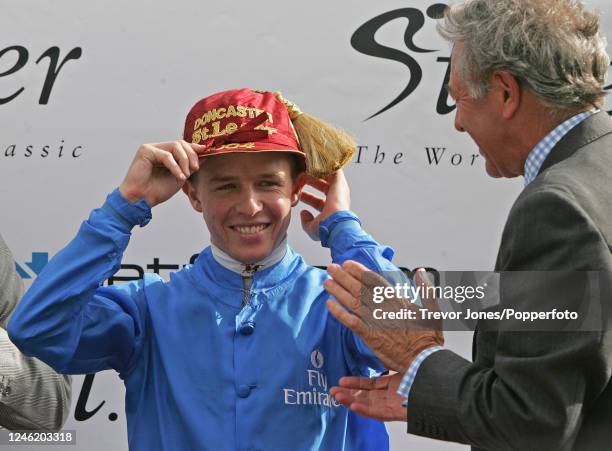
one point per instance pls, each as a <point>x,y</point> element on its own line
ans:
<point>396,342</point>
<point>337,198</point>
<point>159,170</point>
<point>373,398</point>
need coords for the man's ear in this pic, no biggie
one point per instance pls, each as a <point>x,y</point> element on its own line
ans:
<point>298,186</point>
<point>192,194</point>
<point>509,89</point>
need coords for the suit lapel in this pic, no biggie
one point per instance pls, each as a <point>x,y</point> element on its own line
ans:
<point>589,130</point>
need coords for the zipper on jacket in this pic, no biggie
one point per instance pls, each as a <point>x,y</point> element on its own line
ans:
<point>247,281</point>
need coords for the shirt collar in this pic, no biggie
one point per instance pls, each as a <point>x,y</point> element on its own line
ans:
<point>248,270</point>
<point>226,286</point>
<point>538,154</point>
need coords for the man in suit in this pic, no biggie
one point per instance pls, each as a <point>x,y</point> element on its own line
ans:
<point>32,395</point>
<point>527,77</point>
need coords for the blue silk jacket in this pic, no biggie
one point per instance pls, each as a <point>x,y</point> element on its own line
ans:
<point>202,371</point>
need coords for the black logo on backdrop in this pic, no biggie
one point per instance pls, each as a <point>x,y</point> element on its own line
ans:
<point>364,42</point>
<point>16,57</point>
<point>53,70</point>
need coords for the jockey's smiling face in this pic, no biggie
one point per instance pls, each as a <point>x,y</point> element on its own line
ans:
<point>246,201</point>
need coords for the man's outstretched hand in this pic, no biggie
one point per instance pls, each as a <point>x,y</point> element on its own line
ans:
<point>373,398</point>
<point>395,342</point>
<point>159,170</point>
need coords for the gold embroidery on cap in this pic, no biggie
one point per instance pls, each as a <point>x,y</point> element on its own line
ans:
<point>231,111</point>
<point>231,146</point>
<point>202,133</point>
<point>270,130</point>
<point>196,137</point>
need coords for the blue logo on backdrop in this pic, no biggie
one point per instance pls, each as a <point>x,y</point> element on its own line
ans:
<point>129,272</point>
<point>39,261</point>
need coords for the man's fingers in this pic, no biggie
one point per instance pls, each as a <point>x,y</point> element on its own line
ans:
<point>342,395</point>
<point>181,157</point>
<point>342,295</point>
<point>354,402</point>
<point>345,280</point>
<point>313,200</point>
<point>337,176</point>
<point>306,217</point>
<point>319,184</point>
<point>367,278</point>
<point>167,159</point>
<point>360,401</point>
<point>348,319</point>
<point>361,383</point>
<point>194,160</point>
<point>199,149</point>
<point>337,180</point>
<point>373,398</point>
<point>175,149</point>
<point>355,269</point>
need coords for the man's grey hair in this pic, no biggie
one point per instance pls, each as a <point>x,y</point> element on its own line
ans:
<point>553,47</point>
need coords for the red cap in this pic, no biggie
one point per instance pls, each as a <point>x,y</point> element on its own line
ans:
<point>241,120</point>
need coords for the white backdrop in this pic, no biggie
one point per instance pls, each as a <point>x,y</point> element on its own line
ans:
<point>136,67</point>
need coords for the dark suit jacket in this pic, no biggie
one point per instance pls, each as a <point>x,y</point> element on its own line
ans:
<point>533,390</point>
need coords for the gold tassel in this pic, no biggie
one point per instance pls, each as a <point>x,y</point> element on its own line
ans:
<point>327,148</point>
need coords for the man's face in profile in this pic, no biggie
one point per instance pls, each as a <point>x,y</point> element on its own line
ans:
<point>480,119</point>
<point>246,201</point>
